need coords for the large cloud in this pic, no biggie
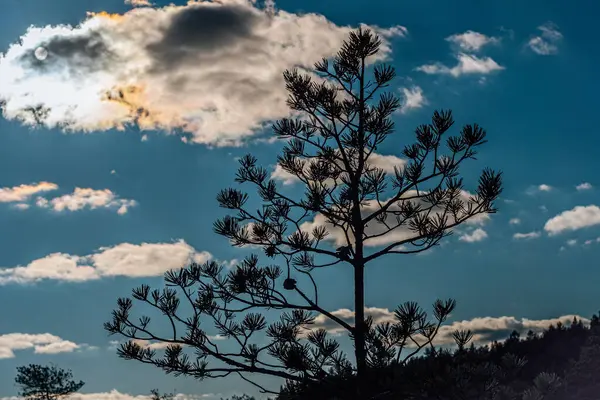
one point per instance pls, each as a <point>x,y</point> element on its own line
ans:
<point>125,259</point>
<point>210,69</point>
<point>43,343</point>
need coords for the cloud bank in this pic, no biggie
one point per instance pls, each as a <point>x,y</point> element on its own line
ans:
<point>209,69</point>
<point>485,329</point>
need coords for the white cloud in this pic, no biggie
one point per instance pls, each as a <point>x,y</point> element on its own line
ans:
<point>590,241</point>
<point>380,315</point>
<point>472,41</point>
<point>514,221</point>
<point>413,98</point>
<point>546,43</point>
<point>125,259</point>
<point>485,329</point>
<point>468,64</point>
<point>138,3</point>
<point>24,192</point>
<point>528,235</point>
<point>43,343</point>
<point>152,345</point>
<point>571,242</point>
<point>584,186</point>
<point>144,138</point>
<point>82,198</point>
<point>337,236</point>
<point>384,162</point>
<point>574,219</point>
<point>280,174</point>
<point>476,236</point>
<point>166,68</point>
<point>539,188</point>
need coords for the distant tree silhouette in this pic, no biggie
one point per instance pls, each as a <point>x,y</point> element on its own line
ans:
<point>155,395</point>
<point>40,382</point>
<point>330,149</point>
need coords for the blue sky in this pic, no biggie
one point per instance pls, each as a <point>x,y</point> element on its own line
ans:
<point>127,201</point>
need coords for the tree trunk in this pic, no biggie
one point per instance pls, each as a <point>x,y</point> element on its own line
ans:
<point>359,323</point>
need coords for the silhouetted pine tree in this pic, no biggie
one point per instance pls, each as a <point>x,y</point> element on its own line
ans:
<point>331,151</point>
<point>38,382</point>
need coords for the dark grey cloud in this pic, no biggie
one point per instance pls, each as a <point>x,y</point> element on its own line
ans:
<point>195,31</point>
<point>85,53</point>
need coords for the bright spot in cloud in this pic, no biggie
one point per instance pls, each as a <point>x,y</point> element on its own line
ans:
<point>41,53</point>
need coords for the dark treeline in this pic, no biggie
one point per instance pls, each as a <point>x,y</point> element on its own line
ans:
<point>560,363</point>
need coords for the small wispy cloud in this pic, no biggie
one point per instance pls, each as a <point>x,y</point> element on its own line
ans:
<point>24,192</point>
<point>83,198</point>
<point>583,186</point>
<point>412,98</point>
<point>528,235</point>
<point>471,41</point>
<point>468,64</point>
<point>546,42</point>
<point>590,241</point>
<point>539,188</point>
<point>514,221</point>
<point>476,236</point>
<point>138,3</point>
